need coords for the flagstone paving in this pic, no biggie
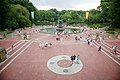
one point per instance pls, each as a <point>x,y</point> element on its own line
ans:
<point>34,63</point>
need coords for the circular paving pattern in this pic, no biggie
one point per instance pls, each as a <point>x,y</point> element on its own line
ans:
<point>62,65</point>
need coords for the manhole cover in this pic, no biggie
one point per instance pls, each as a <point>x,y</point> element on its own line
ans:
<point>52,62</point>
<point>76,62</point>
<point>65,70</point>
<point>63,57</point>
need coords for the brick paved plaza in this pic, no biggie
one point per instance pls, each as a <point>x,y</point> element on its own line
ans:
<point>28,61</point>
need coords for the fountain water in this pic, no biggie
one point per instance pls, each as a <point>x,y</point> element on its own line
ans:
<point>60,28</point>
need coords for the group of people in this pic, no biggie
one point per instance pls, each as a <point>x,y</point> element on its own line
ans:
<point>78,38</point>
<point>89,41</point>
<point>75,58</point>
<point>46,44</point>
<point>100,38</point>
<point>58,38</point>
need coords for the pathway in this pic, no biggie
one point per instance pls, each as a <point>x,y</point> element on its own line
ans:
<point>31,62</point>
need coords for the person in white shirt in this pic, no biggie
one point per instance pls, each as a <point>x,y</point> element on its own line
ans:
<point>114,48</point>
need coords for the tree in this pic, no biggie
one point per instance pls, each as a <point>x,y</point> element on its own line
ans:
<point>94,16</point>
<point>55,14</point>
<point>115,14</point>
<point>110,11</point>
<point>73,17</point>
<point>23,21</point>
<point>48,17</point>
<point>106,10</point>
<point>4,8</point>
<point>17,17</point>
<point>27,4</point>
<point>67,18</point>
<point>20,10</point>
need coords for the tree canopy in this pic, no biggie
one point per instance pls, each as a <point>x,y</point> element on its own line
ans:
<point>110,11</point>
<point>17,14</point>
<point>4,8</point>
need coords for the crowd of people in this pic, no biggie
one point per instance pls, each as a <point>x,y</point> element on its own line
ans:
<point>75,58</point>
<point>46,44</point>
<point>77,38</point>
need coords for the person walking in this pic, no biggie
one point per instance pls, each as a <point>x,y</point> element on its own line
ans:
<point>40,44</point>
<point>46,44</point>
<point>78,58</point>
<point>91,42</point>
<point>88,41</point>
<point>80,38</point>
<point>99,48</point>
<point>57,38</point>
<point>72,59</point>
<point>76,38</point>
<point>114,48</point>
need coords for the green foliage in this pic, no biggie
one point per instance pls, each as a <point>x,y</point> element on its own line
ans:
<point>73,17</point>
<point>52,16</point>
<point>43,17</point>
<point>12,23</point>
<point>115,13</point>
<point>17,17</point>
<point>15,14</point>
<point>27,4</point>
<point>110,12</point>
<point>23,21</point>
<point>95,16</point>
<point>19,10</point>
<point>96,25</point>
<point>4,8</point>
<point>73,29</point>
<point>43,23</point>
<point>106,10</point>
<point>67,18</point>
